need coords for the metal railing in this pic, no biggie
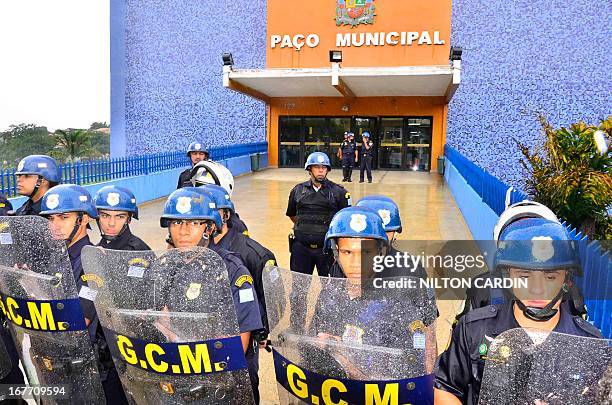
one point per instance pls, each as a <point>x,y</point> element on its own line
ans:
<point>97,171</point>
<point>596,281</point>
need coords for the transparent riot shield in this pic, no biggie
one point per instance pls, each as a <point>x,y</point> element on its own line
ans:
<point>349,343</point>
<point>40,299</point>
<point>526,366</point>
<point>171,326</point>
<point>5,360</point>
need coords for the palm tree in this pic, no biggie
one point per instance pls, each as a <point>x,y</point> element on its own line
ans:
<point>74,143</point>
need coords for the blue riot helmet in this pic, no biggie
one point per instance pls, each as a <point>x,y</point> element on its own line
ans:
<point>197,147</point>
<point>386,208</point>
<point>68,198</point>
<point>537,244</point>
<point>355,222</point>
<point>317,158</point>
<point>45,167</point>
<point>220,196</point>
<point>190,203</point>
<point>366,134</point>
<point>115,198</point>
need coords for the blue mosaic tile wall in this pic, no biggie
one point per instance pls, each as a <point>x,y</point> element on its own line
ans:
<point>521,57</point>
<point>172,73</point>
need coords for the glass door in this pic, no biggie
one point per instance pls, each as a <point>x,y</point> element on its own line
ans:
<point>391,136</point>
<point>290,152</point>
<point>337,127</point>
<point>418,144</point>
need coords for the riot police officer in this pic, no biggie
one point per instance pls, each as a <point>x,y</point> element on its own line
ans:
<point>255,257</point>
<point>312,204</point>
<point>481,297</point>
<point>367,154</point>
<point>35,175</point>
<point>192,219</point>
<point>209,172</point>
<point>348,154</point>
<point>5,205</point>
<point>69,209</point>
<point>534,249</point>
<point>389,213</point>
<point>347,237</point>
<point>196,152</point>
<point>116,207</point>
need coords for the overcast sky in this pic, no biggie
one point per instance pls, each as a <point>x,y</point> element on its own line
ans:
<point>54,62</point>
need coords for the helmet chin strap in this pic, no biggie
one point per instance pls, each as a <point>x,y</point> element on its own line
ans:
<point>75,228</point>
<point>541,314</point>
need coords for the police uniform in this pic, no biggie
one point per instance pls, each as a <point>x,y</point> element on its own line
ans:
<point>5,205</point>
<point>30,207</point>
<point>459,369</point>
<point>111,384</point>
<point>184,179</point>
<point>383,322</point>
<point>124,241</point>
<point>237,224</point>
<point>348,149</point>
<point>313,211</point>
<point>247,307</point>
<point>255,258</point>
<point>366,160</point>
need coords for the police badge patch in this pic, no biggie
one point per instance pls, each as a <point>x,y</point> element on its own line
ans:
<point>183,205</point>
<point>355,12</point>
<point>385,215</point>
<point>112,199</point>
<point>21,165</point>
<point>52,201</point>
<point>358,222</point>
<point>193,291</point>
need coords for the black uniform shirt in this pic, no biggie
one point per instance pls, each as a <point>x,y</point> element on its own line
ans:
<point>126,241</point>
<point>30,208</point>
<point>459,369</point>
<point>255,257</point>
<point>335,194</point>
<point>184,178</point>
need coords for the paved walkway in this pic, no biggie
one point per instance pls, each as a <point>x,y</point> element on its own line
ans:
<point>427,208</point>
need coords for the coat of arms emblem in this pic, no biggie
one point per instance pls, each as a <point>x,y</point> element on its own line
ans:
<point>354,12</point>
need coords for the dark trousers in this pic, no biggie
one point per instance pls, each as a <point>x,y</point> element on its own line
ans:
<point>303,260</point>
<point>113,390</point>
<point>252,358</point>
<point>366,164</point>
<point>347,168</point>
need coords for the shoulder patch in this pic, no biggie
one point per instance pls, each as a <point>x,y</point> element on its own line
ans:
<point>270,262</point>
<point>243,279</point>
<point>246,233</point>
<point>478,314</point>
<point>587,327</point>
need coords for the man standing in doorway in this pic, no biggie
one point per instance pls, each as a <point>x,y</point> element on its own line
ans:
<point>367,153</point>
<point>312,204</point>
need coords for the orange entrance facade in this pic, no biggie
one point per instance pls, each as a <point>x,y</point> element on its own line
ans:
<point>389,74</point>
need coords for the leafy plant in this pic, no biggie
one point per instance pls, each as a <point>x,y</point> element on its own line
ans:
<point>570,176</point>
<point>74,143</point>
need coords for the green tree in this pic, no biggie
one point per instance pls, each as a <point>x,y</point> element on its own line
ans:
<point>569,175</point>
<point>24,139</point>
<point>73,143</point>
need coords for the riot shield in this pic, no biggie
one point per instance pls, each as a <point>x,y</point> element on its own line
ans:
<point>171,326</point>
<point>5,360</point>
<point>527,366</point>
<point>40,299</point>
<point>358,345</point>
